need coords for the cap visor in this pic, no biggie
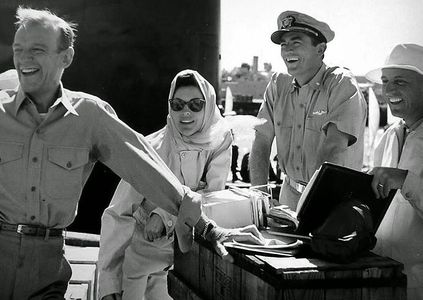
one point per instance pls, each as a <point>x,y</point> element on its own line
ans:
<point>276,36</point>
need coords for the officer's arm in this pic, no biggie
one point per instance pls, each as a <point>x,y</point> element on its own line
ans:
<point>333,146</point>
<point>259,159</point>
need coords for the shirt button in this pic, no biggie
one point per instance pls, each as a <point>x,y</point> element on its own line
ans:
<point>32,217</point>
<point>302,105</point>
<point>169,223</point>
<point>298,147</point>
<point>69,164</point>
<point>0,159</point>
<point>34,159</point>
<point>408,195</point>
<point>299,125</point>
<point>182,155</point>
<point>297,168</point>
<point>278,123</point>
<point>37,131</point>
<point>33,188</point>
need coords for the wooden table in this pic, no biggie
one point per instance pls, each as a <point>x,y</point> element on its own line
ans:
<point>202,274</point>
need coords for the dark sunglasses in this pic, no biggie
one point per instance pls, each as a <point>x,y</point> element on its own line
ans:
<point>195,104</point>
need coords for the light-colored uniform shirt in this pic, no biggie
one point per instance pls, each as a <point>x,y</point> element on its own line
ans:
<point>400,234</point>
<point>298,117</point>
<point>44,163</point>
<point>205,170</point>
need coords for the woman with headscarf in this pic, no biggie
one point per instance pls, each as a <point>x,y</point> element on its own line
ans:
<point>196,146</point>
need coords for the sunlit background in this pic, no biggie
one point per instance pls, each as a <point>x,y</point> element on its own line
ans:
<point>365,31</point>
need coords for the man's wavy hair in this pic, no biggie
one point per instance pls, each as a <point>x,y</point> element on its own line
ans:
<point>44,17</point>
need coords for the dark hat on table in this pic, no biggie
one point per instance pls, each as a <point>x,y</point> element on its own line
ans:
<point>289,21</point>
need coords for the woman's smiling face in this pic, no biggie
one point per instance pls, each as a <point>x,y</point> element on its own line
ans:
<point>187,121</point>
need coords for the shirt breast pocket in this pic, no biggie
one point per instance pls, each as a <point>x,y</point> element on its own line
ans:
<point>64,171</point>
<point>11,165</point>
<point>10,152</point>
<point>315,121</point>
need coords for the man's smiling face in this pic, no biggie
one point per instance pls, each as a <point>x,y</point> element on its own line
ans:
<point>300,56</point>
<point>403,91</point>
<point>37,59</point>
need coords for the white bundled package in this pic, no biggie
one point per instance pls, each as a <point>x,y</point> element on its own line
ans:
<point>236,207</point>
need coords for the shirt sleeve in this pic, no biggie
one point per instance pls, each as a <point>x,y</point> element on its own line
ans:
<point>265,124</point>
<point>132,158</point>
<point>216,175</point>
<point>347,107</point>
<point>117,227</point>
<point>412,191</point>
<point>219,165</point>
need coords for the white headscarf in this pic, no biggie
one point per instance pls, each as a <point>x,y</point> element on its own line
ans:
<point>212,131</point>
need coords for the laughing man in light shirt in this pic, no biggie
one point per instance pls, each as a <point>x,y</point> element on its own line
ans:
<point>316,113</point>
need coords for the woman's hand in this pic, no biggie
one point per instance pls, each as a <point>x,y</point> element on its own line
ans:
<point>154,228</point>
<point>248,233</point>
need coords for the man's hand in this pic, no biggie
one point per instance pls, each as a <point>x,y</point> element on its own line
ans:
<point>115,296</point>
<point>386,179</point>
<point>153,228</point>
<point>249,234</point>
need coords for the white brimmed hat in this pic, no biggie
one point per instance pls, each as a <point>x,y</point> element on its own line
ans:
<point>9,79</point>
<point>403,56</point>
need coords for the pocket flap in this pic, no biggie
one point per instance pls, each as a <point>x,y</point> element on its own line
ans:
<point>67,157</point>
<point>10,152</point>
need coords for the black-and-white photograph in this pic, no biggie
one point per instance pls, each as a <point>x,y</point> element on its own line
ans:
<point>211,149</point>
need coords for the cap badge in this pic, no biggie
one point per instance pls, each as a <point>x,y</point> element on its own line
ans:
<point>287,22</point>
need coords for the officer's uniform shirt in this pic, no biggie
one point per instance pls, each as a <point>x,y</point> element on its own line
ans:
<point>298,117</point>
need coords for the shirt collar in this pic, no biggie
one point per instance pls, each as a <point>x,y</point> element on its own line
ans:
<point>62,98</point>
<point>314,83</point>
<point>414,126</point>
<point>19,99</point>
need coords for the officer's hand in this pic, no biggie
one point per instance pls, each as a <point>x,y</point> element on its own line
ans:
<point>386,179</point>
<point>154,228</point>
<point>248,234</point>
<point>115,296</point>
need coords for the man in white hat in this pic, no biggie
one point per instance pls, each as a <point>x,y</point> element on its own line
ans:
<point>316,113</point>
<point>399,163</point>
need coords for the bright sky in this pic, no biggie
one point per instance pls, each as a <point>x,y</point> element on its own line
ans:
<point>365,30</point>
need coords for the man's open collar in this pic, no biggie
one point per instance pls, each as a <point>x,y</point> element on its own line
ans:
<point>62,98</point>
<point>19,99</point>
<point>314,83</point>
<point>65,100</point>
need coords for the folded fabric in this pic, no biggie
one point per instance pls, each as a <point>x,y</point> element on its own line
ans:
<point>284,215</point>
<point>273,246</point>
